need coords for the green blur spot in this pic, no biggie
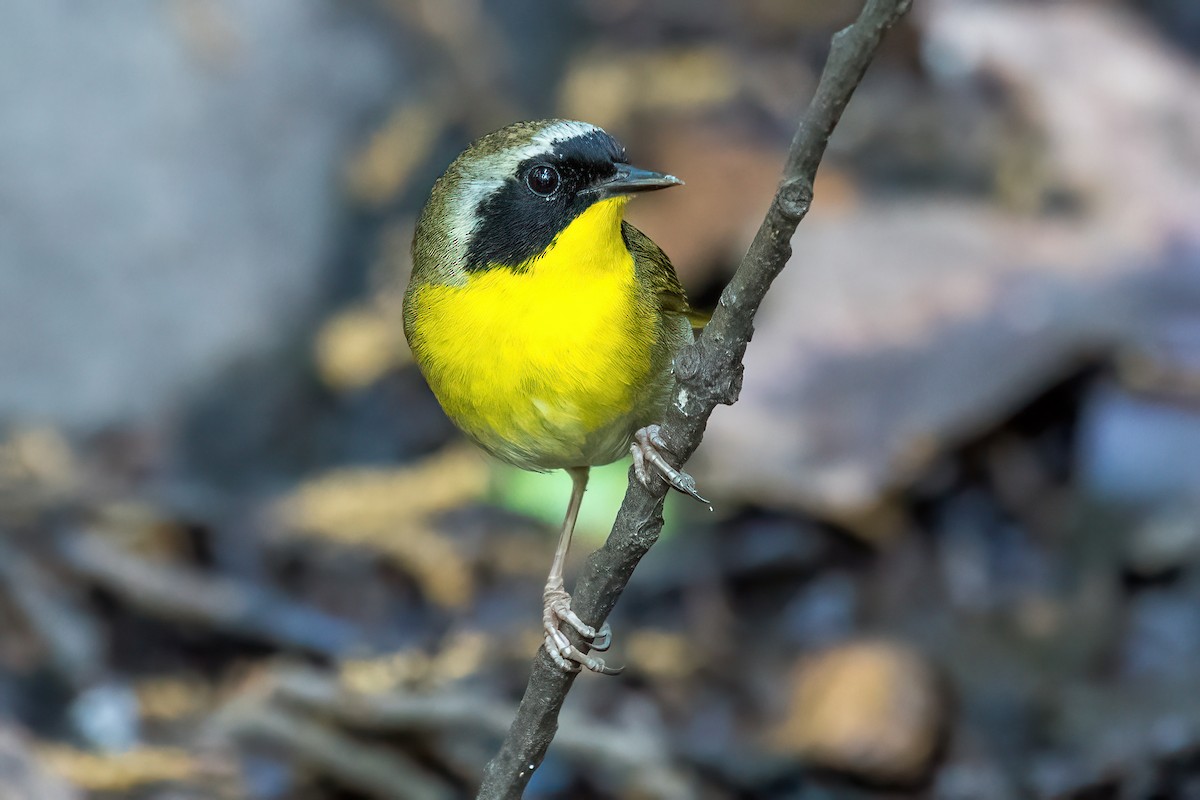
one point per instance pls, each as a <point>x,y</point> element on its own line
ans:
<point>544,496</point>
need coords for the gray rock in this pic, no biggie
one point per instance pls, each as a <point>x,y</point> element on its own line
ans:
<point>168,189</point>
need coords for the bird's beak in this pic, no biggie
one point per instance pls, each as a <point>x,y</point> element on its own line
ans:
<point>628,180</point>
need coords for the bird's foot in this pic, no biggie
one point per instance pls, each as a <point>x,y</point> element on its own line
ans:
<point>649,463</point>
<point>556,611</point>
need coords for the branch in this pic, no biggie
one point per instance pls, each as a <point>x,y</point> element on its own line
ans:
<point>708,373</point>
<point>184,594</point>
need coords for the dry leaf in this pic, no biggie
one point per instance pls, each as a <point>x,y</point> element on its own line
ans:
<point>141,528</point>
<point>357,346</point>
<point>380,170</point>
<point>387,510</point>
<point>39,455</point>
<point>384,673</point>
<point>376,499</point>
<point>37,469</point>
<point>461,655</point>
<point>872,709</point>
<point>608,87</point>
<point>172,698</point>
<point>663,655</point>
<point>120,772</point>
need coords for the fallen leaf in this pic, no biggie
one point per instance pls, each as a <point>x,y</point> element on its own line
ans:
<point>359,345</point>
<point>381,169</point>
<point>120,772</point>
<point>388,511</point>
<point>868,708</point>
<point>608,88</point>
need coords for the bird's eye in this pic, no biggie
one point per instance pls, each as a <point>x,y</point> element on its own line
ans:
<point>542,179</point>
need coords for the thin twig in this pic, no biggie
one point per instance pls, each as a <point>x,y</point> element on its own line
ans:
<point>708,373</point>
<point>72,637</point>
<point>637,752</point>
<point>371,769</point>
<point>178,593</point>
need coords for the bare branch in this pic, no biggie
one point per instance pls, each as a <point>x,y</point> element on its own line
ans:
<point>709,373</point>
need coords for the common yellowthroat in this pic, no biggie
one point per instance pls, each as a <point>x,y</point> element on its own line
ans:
<point>545,324</point>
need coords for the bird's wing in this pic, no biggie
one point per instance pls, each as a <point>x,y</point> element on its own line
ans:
<point>654,270</point>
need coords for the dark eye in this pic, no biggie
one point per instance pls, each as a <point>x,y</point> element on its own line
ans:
<point>542,179</point>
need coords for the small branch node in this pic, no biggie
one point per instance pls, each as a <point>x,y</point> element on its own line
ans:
<point>795,196</point>
<point>839,38</point>
<point>687,363</point>
<point>732,387</point>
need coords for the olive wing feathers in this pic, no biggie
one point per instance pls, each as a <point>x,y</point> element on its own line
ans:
<point>654,270</point>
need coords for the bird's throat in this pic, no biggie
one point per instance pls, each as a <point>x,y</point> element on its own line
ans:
<point>591,243</point>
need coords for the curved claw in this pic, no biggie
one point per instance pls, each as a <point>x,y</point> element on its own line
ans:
<point>598,666</point>
<point>603,639</point>
<point>686,484</point>
<point>569,658</point>
<point>556,612</point>
<point>647,450</point>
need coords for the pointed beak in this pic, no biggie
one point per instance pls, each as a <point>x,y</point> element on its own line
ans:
<point>629,180</point>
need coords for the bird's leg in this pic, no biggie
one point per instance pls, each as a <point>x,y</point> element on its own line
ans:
<point>649,463</point>
<point>556,608</point>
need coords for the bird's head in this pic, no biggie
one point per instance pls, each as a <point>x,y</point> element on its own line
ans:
<point>506,198</point>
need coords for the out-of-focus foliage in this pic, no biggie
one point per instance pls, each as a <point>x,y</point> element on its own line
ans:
<point>541,496</point>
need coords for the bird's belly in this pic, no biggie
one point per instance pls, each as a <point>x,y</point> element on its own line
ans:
<point>546,414</point>
<point>544,372</point>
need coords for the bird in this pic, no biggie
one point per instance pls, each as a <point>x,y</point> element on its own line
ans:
<point>546,325</point>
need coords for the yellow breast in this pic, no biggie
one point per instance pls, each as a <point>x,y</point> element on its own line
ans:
<point>543,364</point>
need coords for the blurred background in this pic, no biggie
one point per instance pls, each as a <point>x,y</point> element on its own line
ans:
<point>956,544</point>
